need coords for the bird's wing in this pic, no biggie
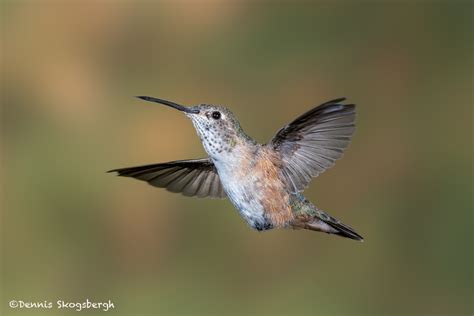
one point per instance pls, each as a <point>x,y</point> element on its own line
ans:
<point>313,142</point>
<point>197,177</point>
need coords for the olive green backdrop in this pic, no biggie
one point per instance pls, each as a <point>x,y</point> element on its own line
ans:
<point>70,231</point>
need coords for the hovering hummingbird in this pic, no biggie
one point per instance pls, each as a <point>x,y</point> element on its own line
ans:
<point>264,182</point>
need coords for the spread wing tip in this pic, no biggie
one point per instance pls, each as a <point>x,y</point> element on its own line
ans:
<point>123,172</point>
<point>338,100</point>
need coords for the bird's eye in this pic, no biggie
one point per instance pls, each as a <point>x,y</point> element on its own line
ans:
<point>216,115</point>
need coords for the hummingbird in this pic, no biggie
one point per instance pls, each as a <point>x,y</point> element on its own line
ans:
<point>263,181</point>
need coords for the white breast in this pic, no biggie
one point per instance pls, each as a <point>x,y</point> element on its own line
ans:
<point>240,187</point>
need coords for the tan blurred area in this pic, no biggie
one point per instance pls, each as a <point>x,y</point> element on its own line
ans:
<point>71,231</point>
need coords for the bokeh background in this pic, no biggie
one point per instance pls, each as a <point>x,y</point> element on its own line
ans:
<point>70,231</point>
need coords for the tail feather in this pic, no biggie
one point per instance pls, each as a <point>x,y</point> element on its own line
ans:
<point>344,230</point>
<point>308,216</point>
<point>328,224</point>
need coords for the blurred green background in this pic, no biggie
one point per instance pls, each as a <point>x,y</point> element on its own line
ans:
<point>70,231</point>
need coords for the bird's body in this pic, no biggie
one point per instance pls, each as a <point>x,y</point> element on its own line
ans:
<point>264,182</point>
<point>253,185</point>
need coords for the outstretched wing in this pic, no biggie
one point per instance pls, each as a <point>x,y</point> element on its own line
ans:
<point>314,141</point>
<point>196,177</point>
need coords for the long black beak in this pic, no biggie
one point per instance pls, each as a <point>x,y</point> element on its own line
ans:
<point>170,104</point>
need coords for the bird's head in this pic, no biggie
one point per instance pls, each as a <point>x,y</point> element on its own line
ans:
<point>217,127</point>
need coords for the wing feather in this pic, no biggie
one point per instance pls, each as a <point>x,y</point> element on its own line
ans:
<point>196,177</point>
<point>314,141</point>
